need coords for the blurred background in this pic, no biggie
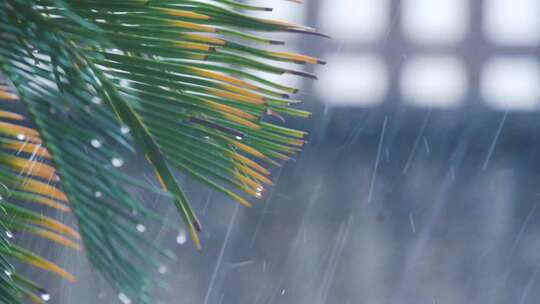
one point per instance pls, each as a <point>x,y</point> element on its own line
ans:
<point>420,183</point>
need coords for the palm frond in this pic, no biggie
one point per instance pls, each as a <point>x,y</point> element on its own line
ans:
<point>175,80</point>
<point>26,176</point>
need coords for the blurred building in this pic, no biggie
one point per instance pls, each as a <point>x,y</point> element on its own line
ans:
<point>420,182</point>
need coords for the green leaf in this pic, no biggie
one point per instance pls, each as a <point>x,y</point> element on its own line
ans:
<point>178,81</point>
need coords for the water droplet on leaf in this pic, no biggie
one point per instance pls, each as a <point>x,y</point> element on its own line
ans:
<point>117,162</point>
<point>123,298</point>
<point>162,269</point>
<point>96,100</point>
<point>141,228</point>
<point>124,129</point>
<point>95,143</point>
<point>124,83</point>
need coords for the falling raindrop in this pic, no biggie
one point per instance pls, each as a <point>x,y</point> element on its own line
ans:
<point>45,297</point>
<point>21,136</point>
<point>95,143</point>
<point>124,129</point>
<point>9,234</point>
<point>162,269</point>
<point>8,273</point>
<point>117,162</point>
<point>96,100</point>
<point>123,298</point>
<point>141,228</point>
<point>181,237</point>
<point>98,194</point>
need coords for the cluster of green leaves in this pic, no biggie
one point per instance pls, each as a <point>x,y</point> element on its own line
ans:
<point>176,80</point>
